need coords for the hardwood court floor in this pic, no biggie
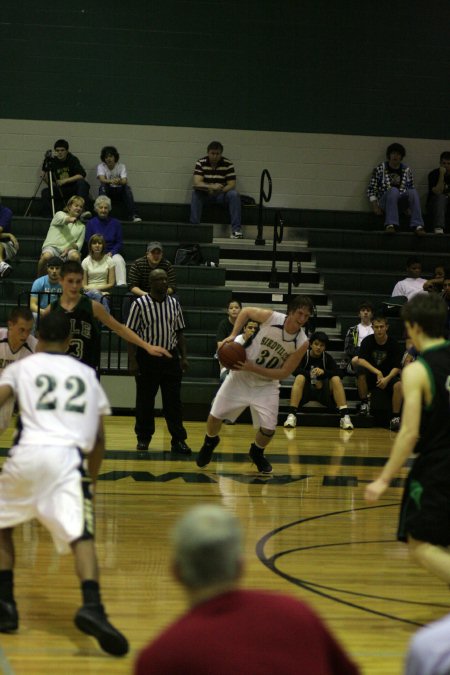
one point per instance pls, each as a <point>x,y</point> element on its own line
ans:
<point>309,533</point>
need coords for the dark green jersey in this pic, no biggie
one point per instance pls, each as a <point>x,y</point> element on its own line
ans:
<point>85,329</point>
<point>435,422</point>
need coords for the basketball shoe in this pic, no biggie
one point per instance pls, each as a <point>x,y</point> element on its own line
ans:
<point>92,620</point>
<point>257,457</point>
<point>9,618</point>
<point>206,451</point>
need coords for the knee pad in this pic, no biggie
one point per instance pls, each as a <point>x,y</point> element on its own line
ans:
<point>266,432</point>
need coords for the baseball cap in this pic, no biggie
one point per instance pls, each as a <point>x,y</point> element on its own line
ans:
<point>154,245</point>
<point>54,262</point>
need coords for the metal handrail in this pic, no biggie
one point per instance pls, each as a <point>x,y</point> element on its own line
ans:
<point>263,197</point>
<point>278,230</point>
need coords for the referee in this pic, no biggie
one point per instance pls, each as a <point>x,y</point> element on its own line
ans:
<point>157,318</point>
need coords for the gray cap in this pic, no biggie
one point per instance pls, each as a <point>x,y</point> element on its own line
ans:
<point>153,245</point>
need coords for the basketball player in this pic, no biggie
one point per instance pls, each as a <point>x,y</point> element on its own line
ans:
<point>16,342</point>
<point>83,313</point>
<point>61,407</point>
<point>425,431</point>
<point>274,353</point>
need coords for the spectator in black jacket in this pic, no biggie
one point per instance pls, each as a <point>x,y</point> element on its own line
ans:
<point>317,379</point>
<point>68,178</point>
<point>438,192</point>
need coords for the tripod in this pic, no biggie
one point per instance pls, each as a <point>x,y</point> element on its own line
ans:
<point>47,168</point>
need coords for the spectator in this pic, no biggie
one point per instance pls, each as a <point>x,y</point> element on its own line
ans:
<point>16,342</point>
<point>8,243</point>
<point>65,235</point>
<point>429,650</point>
<point>215,181</point>
<point>157,319</point>
<point>317,379</point>
<point>230,630</point>
<point>438,192</point>
<point>139,274</point>
<point>98,271</point>
<point>436,284</point>
<point>111,231</point>
<point>391,189</point>
<point>226,326</point>
<point>68,178</point>
<point>114,181</point>
<point>45,289</point>
<point>381,356</point>
<point>413,283</point>
<point>245,338</point>
<point>352,343</point>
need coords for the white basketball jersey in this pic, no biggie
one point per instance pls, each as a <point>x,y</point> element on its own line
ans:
<point>270,348</point>
<point>6,357</point>
<point>60,400</point>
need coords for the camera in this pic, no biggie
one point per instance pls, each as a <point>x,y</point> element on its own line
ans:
<point>48,163</point>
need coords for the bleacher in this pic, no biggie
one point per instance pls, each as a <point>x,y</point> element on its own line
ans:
<point>336,258</point>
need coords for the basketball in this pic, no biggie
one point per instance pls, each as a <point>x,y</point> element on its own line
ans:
<point>230,353</point>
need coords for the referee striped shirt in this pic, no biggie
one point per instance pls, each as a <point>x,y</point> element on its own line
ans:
<point>157,322</point>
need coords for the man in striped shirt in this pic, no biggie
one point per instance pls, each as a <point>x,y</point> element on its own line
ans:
<point>215,181</point>
<point>139,274</point>
<point>157,318</point>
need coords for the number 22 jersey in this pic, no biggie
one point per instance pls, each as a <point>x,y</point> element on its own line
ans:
<point>60,400</point>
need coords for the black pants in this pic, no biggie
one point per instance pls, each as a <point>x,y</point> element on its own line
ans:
<point>158,373</point>
<point>62,194</point>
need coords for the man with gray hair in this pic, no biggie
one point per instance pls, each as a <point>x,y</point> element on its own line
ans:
<point>229,630</point>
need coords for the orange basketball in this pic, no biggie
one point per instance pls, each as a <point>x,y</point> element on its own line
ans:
<point>230,353</point>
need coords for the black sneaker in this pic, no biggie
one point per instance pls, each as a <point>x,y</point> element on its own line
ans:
<point>257,457</point>
<point>92,620</point>
<point>181,448</point>
<point>142,446</point>
<point>9,617</point>
<point>206,451</point>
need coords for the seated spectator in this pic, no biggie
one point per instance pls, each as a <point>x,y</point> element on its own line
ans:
<point>429,649</point>
<point>45,289</point>
<point>413,283</point>
<point>8,243</point>
<point>438,192</point>
<point>352,343</point>
<point>215,181</point>
<point>68,178</point>
<point>380,357</point>
<point>114,181</point>
<point>98,271</point>
<point>229,630</point>
<point>111,231</point>
<point>317,379</point>
<point>226,326</point>
<point>65,235</point>
<point>436,284</point>
<point>138,277</point>
<point>391,189</point>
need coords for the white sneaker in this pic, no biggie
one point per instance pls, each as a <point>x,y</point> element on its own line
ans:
<point>86,215</point>
<point>438,230</point>
<point>346,423</point>
<point>5,269</point>
<point>136,219</point>
<point>291,421</point>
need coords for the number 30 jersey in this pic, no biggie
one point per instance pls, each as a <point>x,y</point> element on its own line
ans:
<point>270,348</point>
<point>60,400</point>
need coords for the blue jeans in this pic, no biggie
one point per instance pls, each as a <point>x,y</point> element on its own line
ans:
<point>231,199</point>
<point>392,201</point>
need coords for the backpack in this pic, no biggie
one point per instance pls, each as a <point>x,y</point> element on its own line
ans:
<point>188,254</point>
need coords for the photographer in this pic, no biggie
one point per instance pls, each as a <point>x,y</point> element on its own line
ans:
<point>68,177</point>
